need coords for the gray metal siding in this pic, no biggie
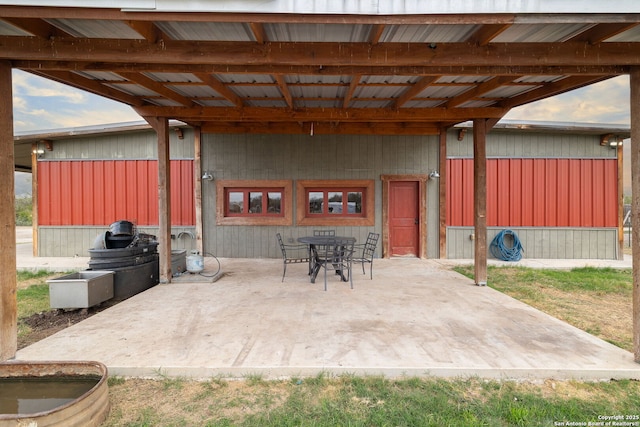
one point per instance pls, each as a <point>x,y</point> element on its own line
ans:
<point>297,157</point>
<point>74,241</point>
<point>544,243</point>
<point>530,145</point>
<point>120,146</point>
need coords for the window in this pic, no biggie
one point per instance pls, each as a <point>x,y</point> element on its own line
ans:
<point>253,202</point>
<point>345,202</point>
<point>335,202</point>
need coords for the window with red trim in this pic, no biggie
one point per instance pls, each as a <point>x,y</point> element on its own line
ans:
<point>254,202</point>
<point>332,202</point>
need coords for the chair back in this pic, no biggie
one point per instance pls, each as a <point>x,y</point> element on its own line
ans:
<point>370,245</point>
<point>281,243</point>
<point>338,253</point>
<point>324,232</point>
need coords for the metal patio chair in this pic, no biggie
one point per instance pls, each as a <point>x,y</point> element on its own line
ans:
<point>324,232</point>
<point>292,254</point>
<point>368,249</point>
<point>337,256</point>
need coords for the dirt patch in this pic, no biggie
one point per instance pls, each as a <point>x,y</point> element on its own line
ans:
<point>47,323</point>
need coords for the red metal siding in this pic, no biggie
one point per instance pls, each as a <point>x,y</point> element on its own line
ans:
<point>537,192</point>
<point>103,191</point>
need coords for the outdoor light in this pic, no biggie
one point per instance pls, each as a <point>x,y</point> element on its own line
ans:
<point>207,176</point>
<point>434,174</point>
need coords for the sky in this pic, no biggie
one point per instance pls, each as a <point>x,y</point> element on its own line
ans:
<point>41,104</point>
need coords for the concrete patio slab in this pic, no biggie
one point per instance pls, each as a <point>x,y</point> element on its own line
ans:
<point>415,318</point>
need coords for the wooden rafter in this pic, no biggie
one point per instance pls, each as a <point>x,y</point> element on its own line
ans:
<point>486,33</point>
<point>484,87</point>
<point>418,87</point>
<point>219,87</point>
<point>258,32</point>
<point>157,87</point>
<point>284,89</point>
<point>93,86</point>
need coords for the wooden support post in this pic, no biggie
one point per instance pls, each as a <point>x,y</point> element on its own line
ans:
<point>197,172</point>
<point>442,186</point>
<point>34,198</point>
<point>480,200</point>
<point>8,281</point>
<point>620,203</point>
<point>161,126</point>
<point>635,206</point>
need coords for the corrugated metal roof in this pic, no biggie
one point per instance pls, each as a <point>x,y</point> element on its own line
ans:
<point>508,91</point>
<point>133,89</point>
<point>194,91</point>
<point>99,28</point>
<point>173,77</point>
<point>203,31</point>
<point>443,91</point>
<point>101,76</point>
<point>6,29</point>
<point>534,33</point>
<point>426,33</point>
<point>315,32</point>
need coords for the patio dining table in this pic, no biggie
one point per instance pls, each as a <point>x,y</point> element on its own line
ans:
<point>314,257</point>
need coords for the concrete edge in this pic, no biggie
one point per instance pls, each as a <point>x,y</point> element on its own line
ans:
<point>275,373</point>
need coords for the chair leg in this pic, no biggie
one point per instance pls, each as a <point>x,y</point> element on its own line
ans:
<point>325,277</point>
<point>284,271</point>
<point>371,269</point>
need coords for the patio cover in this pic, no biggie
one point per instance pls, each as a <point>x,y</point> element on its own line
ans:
<point>376,67</point>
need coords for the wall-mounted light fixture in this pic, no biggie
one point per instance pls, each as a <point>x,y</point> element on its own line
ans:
<point>611,140</point>
<point>207,176</point>
<point>38,152</point>
<point>434,174</point>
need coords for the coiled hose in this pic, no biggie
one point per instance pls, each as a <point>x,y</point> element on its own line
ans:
<point>500,250</point>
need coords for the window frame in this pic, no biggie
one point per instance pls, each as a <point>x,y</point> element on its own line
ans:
<point>365,218</point>
<point>223,187</point>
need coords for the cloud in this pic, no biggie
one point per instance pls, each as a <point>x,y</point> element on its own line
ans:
<point>604,102</point>
<point>40,104</point>
<point>43,104</point>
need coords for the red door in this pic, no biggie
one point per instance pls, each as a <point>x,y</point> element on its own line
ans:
<point>403,218</point>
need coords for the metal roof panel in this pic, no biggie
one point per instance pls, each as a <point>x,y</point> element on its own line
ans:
<point>95,28</point>
<point>426,33</point>
<point>207,31</point>
<point>317,32</point>
<point>539,33</point>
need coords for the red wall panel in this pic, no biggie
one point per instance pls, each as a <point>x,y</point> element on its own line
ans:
<point>537,192</point>
<point>100,192</point>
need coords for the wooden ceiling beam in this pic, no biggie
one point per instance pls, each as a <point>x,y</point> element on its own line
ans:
<point>601,32</point>
<point>219,87</point>
<point>157,87</point>
<point>322,128</point>
<point>146,29</point>
<point>551,89</point>
<point>480,89</point>
<point>37,27</point>
<point>284,90</point>
<point>409,70</point>
<point>376,33</point>
<point>273,114</point>
<point>355,81</point>
<point>93,86</point>
<point>486,33</point>
<point>414,90</point>
<point>319,54</point>
<point>258,32</point>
